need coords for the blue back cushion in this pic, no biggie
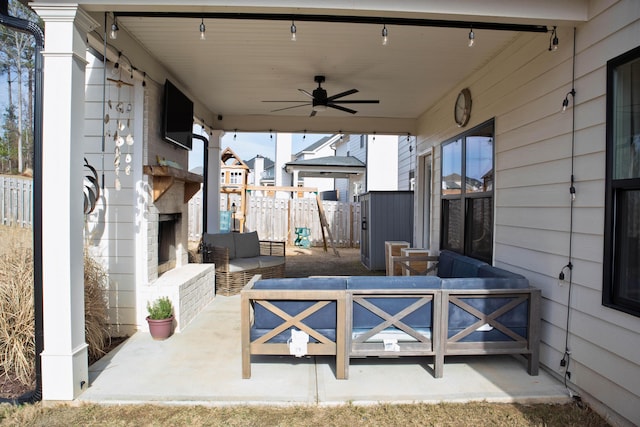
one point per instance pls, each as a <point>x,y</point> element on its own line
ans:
<point>323,318</point>
<point>491,271</point>
<point>516,318</point>
<point>326,283</point>
<point>393,282</point>
<point>451,264</point>
<point>363,318</point>
<point>485,283</point>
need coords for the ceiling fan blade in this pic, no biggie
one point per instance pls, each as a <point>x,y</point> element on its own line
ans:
<point>313,113</point>
<point>306,93</point>
<point>297,100</point>
<point>293,106</point>
<point>341,94</point>
<point>362,101</point>
<point>337,107</point>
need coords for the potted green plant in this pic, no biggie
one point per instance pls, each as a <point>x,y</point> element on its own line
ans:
<point>160,318</point>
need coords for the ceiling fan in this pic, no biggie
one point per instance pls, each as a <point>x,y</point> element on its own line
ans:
<point>320,101</point>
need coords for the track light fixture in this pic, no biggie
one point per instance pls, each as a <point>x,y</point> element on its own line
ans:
<point>565,102</point>
<point>385,35</point>
<point>202,30</point>
<point>114,29</point>
<point>472,37</point>
<point>293,31</point>
<point>553,40</point>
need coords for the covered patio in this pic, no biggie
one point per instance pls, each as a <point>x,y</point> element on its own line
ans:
<point>202,365</point>
<point>548,211</point>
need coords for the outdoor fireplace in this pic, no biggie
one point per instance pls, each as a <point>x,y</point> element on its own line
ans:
<point>168,226</point>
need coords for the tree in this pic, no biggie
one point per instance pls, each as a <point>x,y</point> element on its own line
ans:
<point>17,62</point>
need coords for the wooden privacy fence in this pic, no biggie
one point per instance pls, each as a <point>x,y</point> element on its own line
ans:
<point>16,200</point>
<point>277,219</point>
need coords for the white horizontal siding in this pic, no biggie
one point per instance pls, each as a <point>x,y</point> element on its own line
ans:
<point>523,88</point>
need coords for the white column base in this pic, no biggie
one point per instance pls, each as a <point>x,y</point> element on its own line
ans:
<point>65,376</point>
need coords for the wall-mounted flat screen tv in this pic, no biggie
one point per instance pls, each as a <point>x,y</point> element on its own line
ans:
<point>177,123</point>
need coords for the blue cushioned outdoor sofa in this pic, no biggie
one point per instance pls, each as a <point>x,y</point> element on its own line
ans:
<point>469,308</point>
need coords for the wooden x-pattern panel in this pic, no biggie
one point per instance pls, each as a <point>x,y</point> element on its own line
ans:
<point>266,297</point>
<point>292,321</point>
<point>487,318</point>
<point>527,346</point>
<point>393,320</point>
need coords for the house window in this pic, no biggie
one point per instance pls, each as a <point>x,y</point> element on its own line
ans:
<point>621,277</point>
<point>467,193</point>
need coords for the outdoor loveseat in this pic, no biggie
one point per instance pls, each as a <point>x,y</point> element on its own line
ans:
<point>240,256</point>
<point>472,309</point>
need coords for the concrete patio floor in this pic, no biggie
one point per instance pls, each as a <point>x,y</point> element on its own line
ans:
<point>202,366</point>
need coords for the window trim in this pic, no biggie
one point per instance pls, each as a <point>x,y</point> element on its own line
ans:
<point>612,186</point>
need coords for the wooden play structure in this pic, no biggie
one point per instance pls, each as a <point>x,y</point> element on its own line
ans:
<point>234,178</point>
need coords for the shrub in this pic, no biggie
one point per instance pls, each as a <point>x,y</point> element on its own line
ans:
<point>17,342</point>
<point>96,315</point>
<point>160,308</point>
<point>17,333</point>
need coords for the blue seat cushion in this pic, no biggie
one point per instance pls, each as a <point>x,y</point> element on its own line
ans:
<point>488,336</point>
<point>284,336</point>
<point>390,333</point>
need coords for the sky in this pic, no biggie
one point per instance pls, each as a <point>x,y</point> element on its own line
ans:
<point>248,145</point>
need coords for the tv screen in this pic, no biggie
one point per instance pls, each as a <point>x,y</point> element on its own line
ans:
<point>177,117</point>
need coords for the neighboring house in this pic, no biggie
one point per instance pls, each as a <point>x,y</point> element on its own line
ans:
<point>314,156</point>
<point>357,164</point>
<point>261,171</point>
<point>550,195</point>
<point>406,162</point>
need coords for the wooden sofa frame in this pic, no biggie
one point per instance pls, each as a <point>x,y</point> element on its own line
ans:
<point>438,345</point>
<point>423,345</point>
<point>323,346</point>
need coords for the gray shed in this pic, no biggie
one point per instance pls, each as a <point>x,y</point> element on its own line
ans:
<point>386,216</point>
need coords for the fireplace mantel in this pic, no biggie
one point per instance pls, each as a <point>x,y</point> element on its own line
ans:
<point>165,176</point>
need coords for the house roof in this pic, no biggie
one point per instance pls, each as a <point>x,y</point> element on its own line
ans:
<point>315,146</point>
<point>268,163</point>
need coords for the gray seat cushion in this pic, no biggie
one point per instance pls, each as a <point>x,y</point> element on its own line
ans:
<point>243,264</point>
<point>270,261</point>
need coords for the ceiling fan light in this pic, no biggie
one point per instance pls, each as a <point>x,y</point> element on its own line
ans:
<point>319,107</point>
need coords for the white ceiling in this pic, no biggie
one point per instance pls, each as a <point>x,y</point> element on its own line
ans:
<point>244,62</point>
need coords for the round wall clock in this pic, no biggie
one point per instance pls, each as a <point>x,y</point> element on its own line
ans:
<point>462,109</point>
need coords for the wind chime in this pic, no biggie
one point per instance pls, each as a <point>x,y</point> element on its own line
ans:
<point>118,125</point>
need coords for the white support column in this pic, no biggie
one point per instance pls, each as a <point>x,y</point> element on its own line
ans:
<point>213,182</point>
<point>64,359</point>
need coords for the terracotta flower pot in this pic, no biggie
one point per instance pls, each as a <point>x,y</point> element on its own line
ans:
<point>160,329</point>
